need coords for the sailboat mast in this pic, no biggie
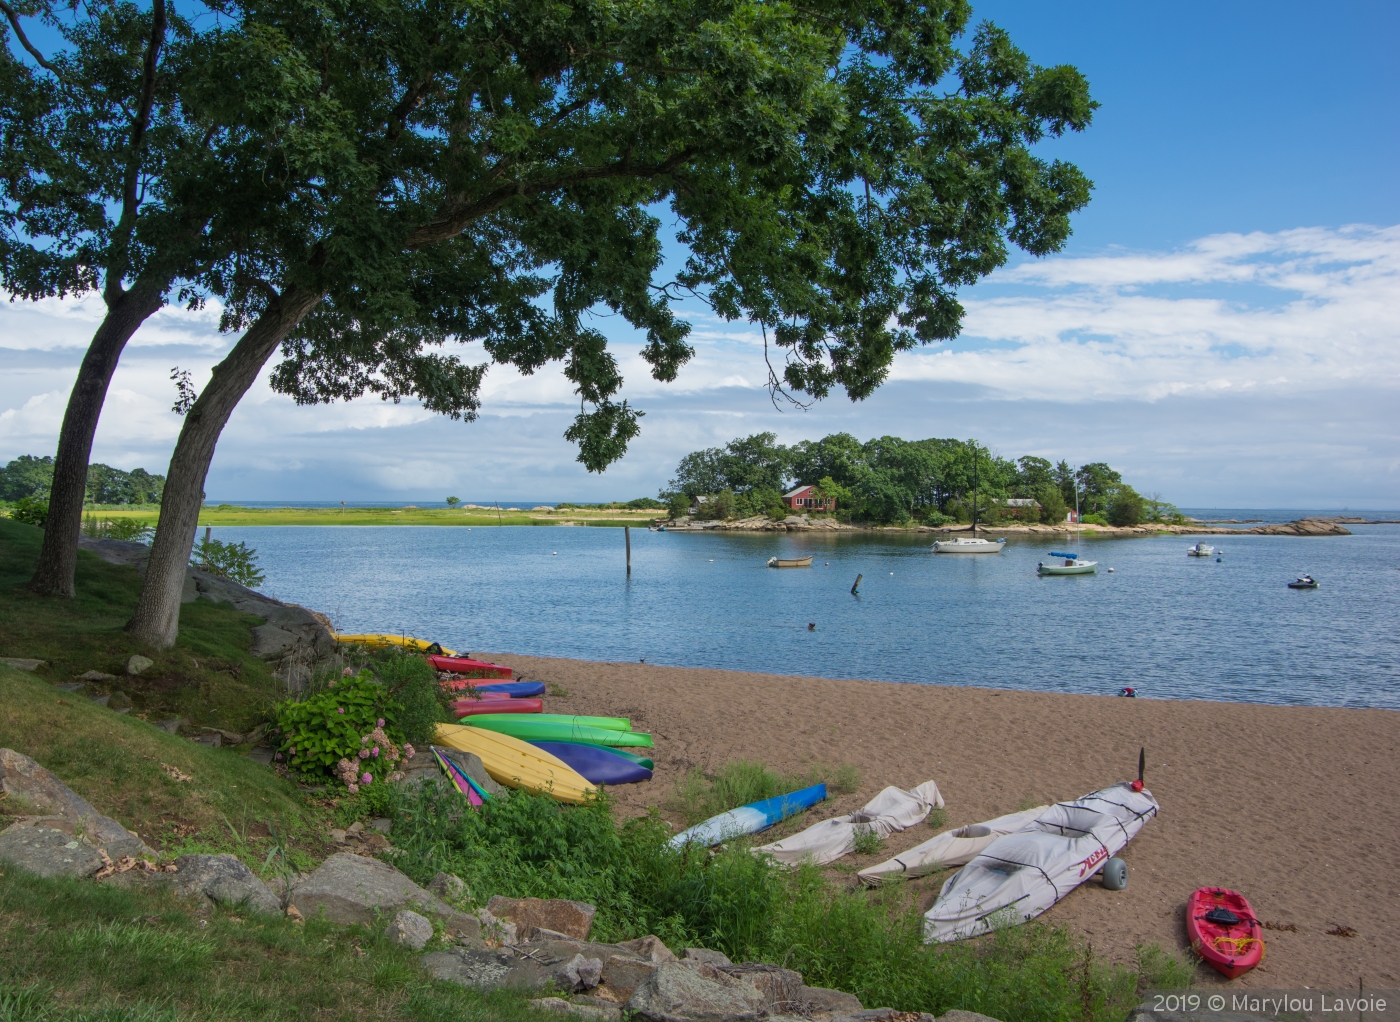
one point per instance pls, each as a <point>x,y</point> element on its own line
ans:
<point>974,489</point>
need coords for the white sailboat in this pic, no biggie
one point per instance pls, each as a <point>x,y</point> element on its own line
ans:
<point>975,545</point>
<point>1072,564</point>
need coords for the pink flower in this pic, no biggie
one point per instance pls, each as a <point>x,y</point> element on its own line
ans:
<point>279,755</point>
<point>353,787</point>
<point>380,722</point>
<point>364,754</point>
<point>374,751</point>
<point>340,709</point>
<point>364,740</point>
<point>408,751</point>
<point>366,778</point>
<point>349,672</point>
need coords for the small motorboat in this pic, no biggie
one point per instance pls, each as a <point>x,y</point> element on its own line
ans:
<point>1200,550</point>
<point>1303,582</point>
<point>1224,931</point>
<point>789,562</point>
<point>1072,565</point>
<point>969,546</point>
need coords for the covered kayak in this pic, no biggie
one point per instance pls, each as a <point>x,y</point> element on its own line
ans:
<point>598,763</point>
<point>1223,930</point>
<point>627,754</point>
<point>887,813</point>
<point>466,665</point>
<point>518,764</point>
<point>406,641</point>
<point>501,704</point>
<point>1020,875</point>
<point>507,688</point>
<point>749,819</point>
<point>544,727</point>
<point>951,848</point>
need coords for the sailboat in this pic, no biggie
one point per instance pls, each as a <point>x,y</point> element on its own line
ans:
<point>1071,565</point>
<point>973,545</point>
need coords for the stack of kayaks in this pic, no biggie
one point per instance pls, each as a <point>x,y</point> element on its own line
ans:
<point>518,764</point>
<point>406,641</point>
<point>517,689</point>
<point>466,665</point>
<point>559,727</point>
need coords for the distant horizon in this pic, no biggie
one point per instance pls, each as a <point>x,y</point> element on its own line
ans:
<point>425,502</point>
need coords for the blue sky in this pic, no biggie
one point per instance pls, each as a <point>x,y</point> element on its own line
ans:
<point>1222,326</point>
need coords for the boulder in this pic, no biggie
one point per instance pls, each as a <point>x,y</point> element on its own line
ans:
<point>410,929</point>
<point>517,969</point>
<point>350,889</point>
<point>570,918</point>
<point>449,887</point>
<point>650,948</point>
<point>138,663</point>
<point>48,852</point>
<point>225,880</point>
<point>593,1012</point>
<point>776,984</point>
<point>699,955</point>
<point>957,1015</point>
<point>20,663</point>
<point>25,780</point>
<point>822,1001</point>
<point>675,991</point>
<point>622,975</point>
<point>97,676</point>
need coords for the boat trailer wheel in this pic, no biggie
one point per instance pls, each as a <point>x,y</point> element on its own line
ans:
<point>1115,874</point>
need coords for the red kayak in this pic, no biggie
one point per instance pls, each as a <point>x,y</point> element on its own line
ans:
<point>1224,930</point>
<point>471,707</point>
<point>466,665</point>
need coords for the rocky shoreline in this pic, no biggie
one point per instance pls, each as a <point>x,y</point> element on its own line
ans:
<point>806,523</point>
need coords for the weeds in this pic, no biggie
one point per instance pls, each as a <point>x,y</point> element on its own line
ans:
<point>937,818</point>
<point>868,842</point>
<point>697,797</point>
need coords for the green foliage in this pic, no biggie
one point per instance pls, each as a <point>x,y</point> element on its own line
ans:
<point>678,506</point>
<point>646,504</point>
<point>236,561</point>
<point>1052,503</point>
<point>1125,507</point>
<point>26,476</point>
<point>414,693</point>
<point>937,818</point>
<point>108,485</point>
<point>128,530</point>
<point>868,842</point>
<point>1160,969</point>
<point>1094,519</point>
<point>31,511</point>
<point>453,501</point>
<point>314,734</point>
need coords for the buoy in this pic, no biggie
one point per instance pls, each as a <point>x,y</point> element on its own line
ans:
<point>811,626</point>
<point>556,553</point>
<point>1110,571</point>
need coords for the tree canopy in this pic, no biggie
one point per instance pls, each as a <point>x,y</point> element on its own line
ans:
<point>32,476</point>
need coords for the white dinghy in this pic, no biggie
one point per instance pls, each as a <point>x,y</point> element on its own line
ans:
<point>1020,875</point>
<point>888,812</point>
<point>951,848</point>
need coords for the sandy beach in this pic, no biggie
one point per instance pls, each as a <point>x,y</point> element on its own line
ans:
<point>1297,807</point>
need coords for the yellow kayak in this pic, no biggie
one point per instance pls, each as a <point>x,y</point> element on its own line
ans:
<point>518,764</point>
<point>407,641</point>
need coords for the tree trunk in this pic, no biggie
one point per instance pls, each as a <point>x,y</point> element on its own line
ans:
<point>157,617</point>
<point>58,558</point>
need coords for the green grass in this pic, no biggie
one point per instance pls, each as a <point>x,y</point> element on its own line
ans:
<point>697,797</point>
<point>75,950</point>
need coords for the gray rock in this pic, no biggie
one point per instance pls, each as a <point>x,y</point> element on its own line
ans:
<point>593,1012</point>
<point>822,1001</point>
<point>410,929</point>
<point>585,972</point>
<point>381,824</point>
<point>499,930</point>
<point>623,974</point>
<point>517,969</point>
<point>706,956</point>
<point>958,1015</point>
<point>102,700</point>
<point>650,948</point>
<point>675,991</point>
<point>778,985</point>
<point>349,889</point>
<point>20,663</point>
<point>138,663</point>
<point>450,887</point>
<point>884,1015</point>
<point>98,676</point>
<point>570,918</point>
<point>225,880</point>
<point>173,725</point>
<point>48,852</point>
<point>26,780</point>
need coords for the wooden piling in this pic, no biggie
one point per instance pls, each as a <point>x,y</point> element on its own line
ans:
<point>855,589</point>
<point>627,536</point>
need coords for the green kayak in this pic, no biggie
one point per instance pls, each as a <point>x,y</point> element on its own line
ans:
<point>528,727</point>
<point>606,723</point>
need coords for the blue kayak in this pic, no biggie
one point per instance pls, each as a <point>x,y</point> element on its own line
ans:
<point>598,764</point>
<point>514,689</point>
<point>749,819</point>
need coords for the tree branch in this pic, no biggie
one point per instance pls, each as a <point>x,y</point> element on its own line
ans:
<point>24,39</point>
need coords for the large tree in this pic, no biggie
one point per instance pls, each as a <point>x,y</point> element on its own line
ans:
<point>826,184</point>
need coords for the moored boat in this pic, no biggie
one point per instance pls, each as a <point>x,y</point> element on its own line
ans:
<point>1072,565</point>
<point>1200,550</point>
<point>510,689</point>
<point>962,545</point>
<point>789,562</point>
<point>517,764</point>
<point>476,707</point>
<point>1303,582</point>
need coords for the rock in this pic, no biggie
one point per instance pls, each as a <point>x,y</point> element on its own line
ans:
<point>20,663</point>
<point>48,852</point>
<point>957,1015</point>
<point>495,929</point>
<point>138,663</point>
<point>1303,527</point>
<point>778,985</point>
<point>119,701</point>
<point>350,889</point>
<point>97,676</point>
<point>705,955</point>
<point>821,1001</point>
<point>674,991</point>
<point>24,779</point>
<point>102,700</point>
<point>338,835</point>
<point>470,764</point>
<point>225,880</point>
<point>410,929</point>
<point>623,974</point>
<point>650,948</point>
<point>173,725</point>
<point>450,888</point>
<point>595,1012</point>
<point>571,918</point>
<point>381,824</point>
<point>493,969</point>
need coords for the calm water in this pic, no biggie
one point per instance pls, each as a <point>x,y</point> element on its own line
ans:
<point>1169,625</point>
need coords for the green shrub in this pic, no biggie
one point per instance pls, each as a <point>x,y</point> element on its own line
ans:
<point>678,506</point>
<point>1052,503</point>
<point>1093,519</point>
<point>414,693</point>
<point>316,736</point>
<point>236,561</point>
<point>1125,507</point>
<point>31,511</point>
<point>128,530</point>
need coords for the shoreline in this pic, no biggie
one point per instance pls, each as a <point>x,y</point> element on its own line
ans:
<point>1298,807</point>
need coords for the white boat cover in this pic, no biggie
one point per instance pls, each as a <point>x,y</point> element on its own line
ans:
<point>1020,875</point>
<point>888,812</point>
<point>951,848</point>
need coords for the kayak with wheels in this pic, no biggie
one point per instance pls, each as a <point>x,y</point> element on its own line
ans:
<point>508,688</point>
<point>598,763</point>
<point>1224,931</point>
<point>549,727</point>
<point>501,704</point>
<point>749,819</point>
<point>466,665</point>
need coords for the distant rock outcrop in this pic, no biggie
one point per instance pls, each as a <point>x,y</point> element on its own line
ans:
<point>1303,527</point>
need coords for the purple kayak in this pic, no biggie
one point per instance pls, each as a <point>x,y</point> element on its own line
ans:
<point>598,765</point>
<point>514,689</point>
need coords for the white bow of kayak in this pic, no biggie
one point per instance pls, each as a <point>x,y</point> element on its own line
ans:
<point>955,847</point>
<point>889,812</point>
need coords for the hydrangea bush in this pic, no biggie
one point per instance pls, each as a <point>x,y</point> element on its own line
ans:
<point>346,733</point>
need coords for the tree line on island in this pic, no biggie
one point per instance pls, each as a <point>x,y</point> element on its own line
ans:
<point>890,481</point>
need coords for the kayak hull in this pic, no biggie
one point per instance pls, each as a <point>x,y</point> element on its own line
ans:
<point>380,639</point>
<point>538,728</point>
<point>749,819</point>
<point>507,688</point>
<point>1231,949</point>
<point>600,765</point>
<point>631,755</point>
<point>518,764</point>
<point>503,704</point>
<point>466,665</point>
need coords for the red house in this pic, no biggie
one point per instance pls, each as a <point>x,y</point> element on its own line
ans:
<point>806,498</point>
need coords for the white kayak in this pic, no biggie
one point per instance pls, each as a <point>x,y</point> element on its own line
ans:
<point>890,811</point>
<point>749,819</point>
<point>951,848</point>
<point>1020,875</point>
